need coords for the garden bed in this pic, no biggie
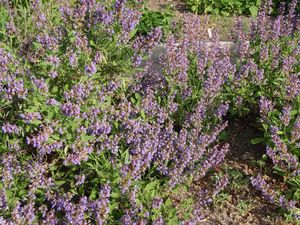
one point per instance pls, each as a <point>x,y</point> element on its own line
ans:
<point>112,113</point>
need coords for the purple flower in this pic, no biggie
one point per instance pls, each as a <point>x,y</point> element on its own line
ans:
<point>11,28</point>
<point>99,128</point>
<point>98,57</point>
<point>24,214</point>
<point>288,64</point>
<point>260,184</point>
<point>8,128</point>
<point>221,184</point>
<point>157,202</point>
<point>13,88</point>
<point>40,84</point>
<point>40,138</point>
<point>104,17</point>
<point>105,191</point>
<point>286,115</point>
<point>54,60</point>
<point>5,59</point>
<point>296,130</point>
<point>53,74</point>
<point>90,69</point>
<point>119,5</point>
<point>284,203</point>
<point>129,18</point>
<point>265,106</point>
<point>70,109</point>
<point>79,92</point>
<point>52,101</point>
<point>46,148</point>
<point>79,179</point>
<point>293,87</point>
<point>29,116</point>
<point>176,61</point>
<point>3,200</point>
<point>217,156</point>
<point>271,153</point>
<point>159,221</point>
<point>100,207</point>
<point>222,110</point>
<point>73,60</point>
<point>49,42</point>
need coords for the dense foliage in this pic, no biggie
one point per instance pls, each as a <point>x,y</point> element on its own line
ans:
<point>151,19</point>
<point>93,132</point>
<point>234,7</point>
<point>224,7</point>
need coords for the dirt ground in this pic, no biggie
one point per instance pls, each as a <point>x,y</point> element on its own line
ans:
<point>239,203</point>
<point>243,205</point>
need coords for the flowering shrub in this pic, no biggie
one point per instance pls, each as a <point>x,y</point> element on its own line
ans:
<point>267,63</point>
<point>268,83</point>
<point>88,135</point>
<point>94,133</point>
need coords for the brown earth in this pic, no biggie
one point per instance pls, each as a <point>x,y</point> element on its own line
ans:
<point>243,204</point>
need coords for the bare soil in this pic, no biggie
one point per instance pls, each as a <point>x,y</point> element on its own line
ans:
<point>244,205</point>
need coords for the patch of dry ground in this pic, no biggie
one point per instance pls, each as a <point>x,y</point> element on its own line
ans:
<point>243,205</point>
<point>240,203</point>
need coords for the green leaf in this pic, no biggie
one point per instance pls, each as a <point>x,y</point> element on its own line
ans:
<point>173,220</point>
<point>115,195</point>
<point>257,140</point>
<point>223,136</point>
<point>194,8</point>
<point>143,115</point>
<point>113,206</point>
<point>168,202</point>
<point>59,183</point>
<point>36,45</point>
<point>224,13</point>
<point>208,9</point>
<point>294,112</point>
<point>93,194</point>
<point>279,171</point>
<point>86,138</point>
<point>280,132</point>
<point>132,100</point>
<point>137,96</point>
<point>253,10</point>
<point>35,122</point>
<point>126,156</point>
<point>295,181</point>
<point>297,195</point>
<point>151,186</point>
<point>92,43</point>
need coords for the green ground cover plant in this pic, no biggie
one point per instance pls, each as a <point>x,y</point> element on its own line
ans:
<point>152,19</point>
<point>224,7</point>
<point>234,7</point>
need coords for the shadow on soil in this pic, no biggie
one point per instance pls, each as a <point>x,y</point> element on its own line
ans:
<point>240,203</point>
